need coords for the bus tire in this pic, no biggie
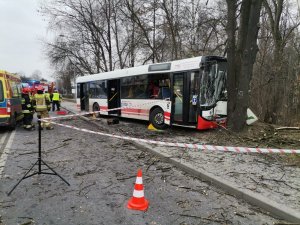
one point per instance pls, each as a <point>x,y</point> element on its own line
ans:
<point>157,119</point>
<point>96,107</point>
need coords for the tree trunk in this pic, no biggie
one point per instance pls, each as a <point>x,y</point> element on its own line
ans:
<point>243,59</point>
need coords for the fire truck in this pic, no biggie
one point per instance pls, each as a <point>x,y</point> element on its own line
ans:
<point>32,84</point>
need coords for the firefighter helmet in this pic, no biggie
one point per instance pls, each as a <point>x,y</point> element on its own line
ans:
<point>40,88</point>
<point>25,90</point>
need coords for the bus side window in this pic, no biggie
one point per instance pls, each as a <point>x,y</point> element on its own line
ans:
<point>154,89</point>
<point>165,92</point>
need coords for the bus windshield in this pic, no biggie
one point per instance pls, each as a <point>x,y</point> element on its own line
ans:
<point>1,92</point>
<point>213,84</point>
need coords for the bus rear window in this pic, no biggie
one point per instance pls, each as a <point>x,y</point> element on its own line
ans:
<point>1,92</point>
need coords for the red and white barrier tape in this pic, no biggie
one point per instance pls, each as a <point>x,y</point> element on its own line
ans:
<point>191,146</point>
<point>104,110</point>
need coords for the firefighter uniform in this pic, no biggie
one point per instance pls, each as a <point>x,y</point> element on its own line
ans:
<point>27,110</point>
<point>50,100</point>
<point>41,103</point>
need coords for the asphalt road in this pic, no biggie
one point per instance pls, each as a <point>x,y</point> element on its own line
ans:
<point>102,173</point>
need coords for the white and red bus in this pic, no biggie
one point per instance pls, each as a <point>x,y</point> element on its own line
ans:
<point>188,92</point>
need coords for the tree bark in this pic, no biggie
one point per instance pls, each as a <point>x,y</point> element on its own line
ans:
<point>243,59</point>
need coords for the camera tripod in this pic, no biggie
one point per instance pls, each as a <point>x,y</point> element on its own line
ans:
<point>39,163</point>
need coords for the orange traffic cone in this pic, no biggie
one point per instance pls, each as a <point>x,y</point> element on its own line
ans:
<point>138,201</point>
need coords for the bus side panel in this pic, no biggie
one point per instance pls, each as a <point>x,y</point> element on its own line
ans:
<point>102,104</point>
<point>205,124</point>
<point>167,106</point>
<point>140,109</point>
<point>135,109</point>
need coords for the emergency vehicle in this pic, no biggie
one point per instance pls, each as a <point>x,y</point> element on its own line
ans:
<point>10,99</point>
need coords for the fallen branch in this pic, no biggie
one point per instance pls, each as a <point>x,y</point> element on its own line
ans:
<point>125,178</point>
<point>280,181</point>
<point>204,218</point>
<point>51,149</point>
<point>287,128</point>
<point>282,223</point>
<point>68,139</point>
<point>86,187</point>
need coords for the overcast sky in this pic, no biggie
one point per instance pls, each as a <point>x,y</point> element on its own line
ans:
<point>21,31</point>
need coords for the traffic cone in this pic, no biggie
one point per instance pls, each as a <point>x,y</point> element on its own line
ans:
<point>138,201</point>
<point>151,127</point>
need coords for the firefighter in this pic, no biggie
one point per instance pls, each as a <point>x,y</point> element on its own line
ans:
<point>41,103</point>
<point>50,99</point>
<point>56,98</point>
<point>27,109</point>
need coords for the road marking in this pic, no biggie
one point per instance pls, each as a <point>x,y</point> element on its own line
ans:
<point>3,138</point>
<point>5,148</point>
<point>3,141</point>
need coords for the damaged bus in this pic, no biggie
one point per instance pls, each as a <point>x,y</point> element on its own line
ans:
<point>188,92</point>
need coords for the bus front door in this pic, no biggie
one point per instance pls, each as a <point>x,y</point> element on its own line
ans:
<point>84,97</point>
<point>113,97</point>
<point>185,98</point>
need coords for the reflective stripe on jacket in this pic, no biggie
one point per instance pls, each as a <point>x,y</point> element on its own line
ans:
<point>40,101</point>
<point>26,111</point>
<point>26,104</point>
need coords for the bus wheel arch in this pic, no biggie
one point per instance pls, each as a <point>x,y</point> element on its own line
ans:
<point>156,118</point>
<point>96,107</point>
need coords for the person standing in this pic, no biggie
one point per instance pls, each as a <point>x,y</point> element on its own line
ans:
<point>41,103</point>
<point>27,109</point>
<point>56,98</point>
<point>48,96</point>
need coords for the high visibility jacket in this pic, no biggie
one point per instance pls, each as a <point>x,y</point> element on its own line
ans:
<point>56,96</point>
<point>26,104</point>
<point>41,102</point>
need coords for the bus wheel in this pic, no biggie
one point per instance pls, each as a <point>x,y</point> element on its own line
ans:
<point>96,107</point>
<point>157,119</point>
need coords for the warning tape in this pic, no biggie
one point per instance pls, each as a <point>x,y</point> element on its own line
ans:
<point>191,146</point>
<point>104,110</point>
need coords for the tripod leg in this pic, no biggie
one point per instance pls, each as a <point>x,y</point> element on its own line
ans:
<point>55,173</point>
<point>24,177</point>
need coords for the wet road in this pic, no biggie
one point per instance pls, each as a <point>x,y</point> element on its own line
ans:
<point>102,173</point>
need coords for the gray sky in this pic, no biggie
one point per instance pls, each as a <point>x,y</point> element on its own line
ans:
<point>21,29</point>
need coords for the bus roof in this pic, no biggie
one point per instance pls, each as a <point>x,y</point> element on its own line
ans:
<point>166,67</point>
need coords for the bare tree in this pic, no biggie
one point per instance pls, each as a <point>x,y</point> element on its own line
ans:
<point>274,87</point>
<point>281,30</point>
<point>36,75</point>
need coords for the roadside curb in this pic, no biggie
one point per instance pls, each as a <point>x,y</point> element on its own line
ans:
<point>277,210</point>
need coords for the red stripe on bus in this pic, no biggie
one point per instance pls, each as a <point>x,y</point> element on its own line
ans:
<point>103,107</point>
<point>128,110</point>
<point>205,124</point>
<point>167,114</point>
<point>132,113</point>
